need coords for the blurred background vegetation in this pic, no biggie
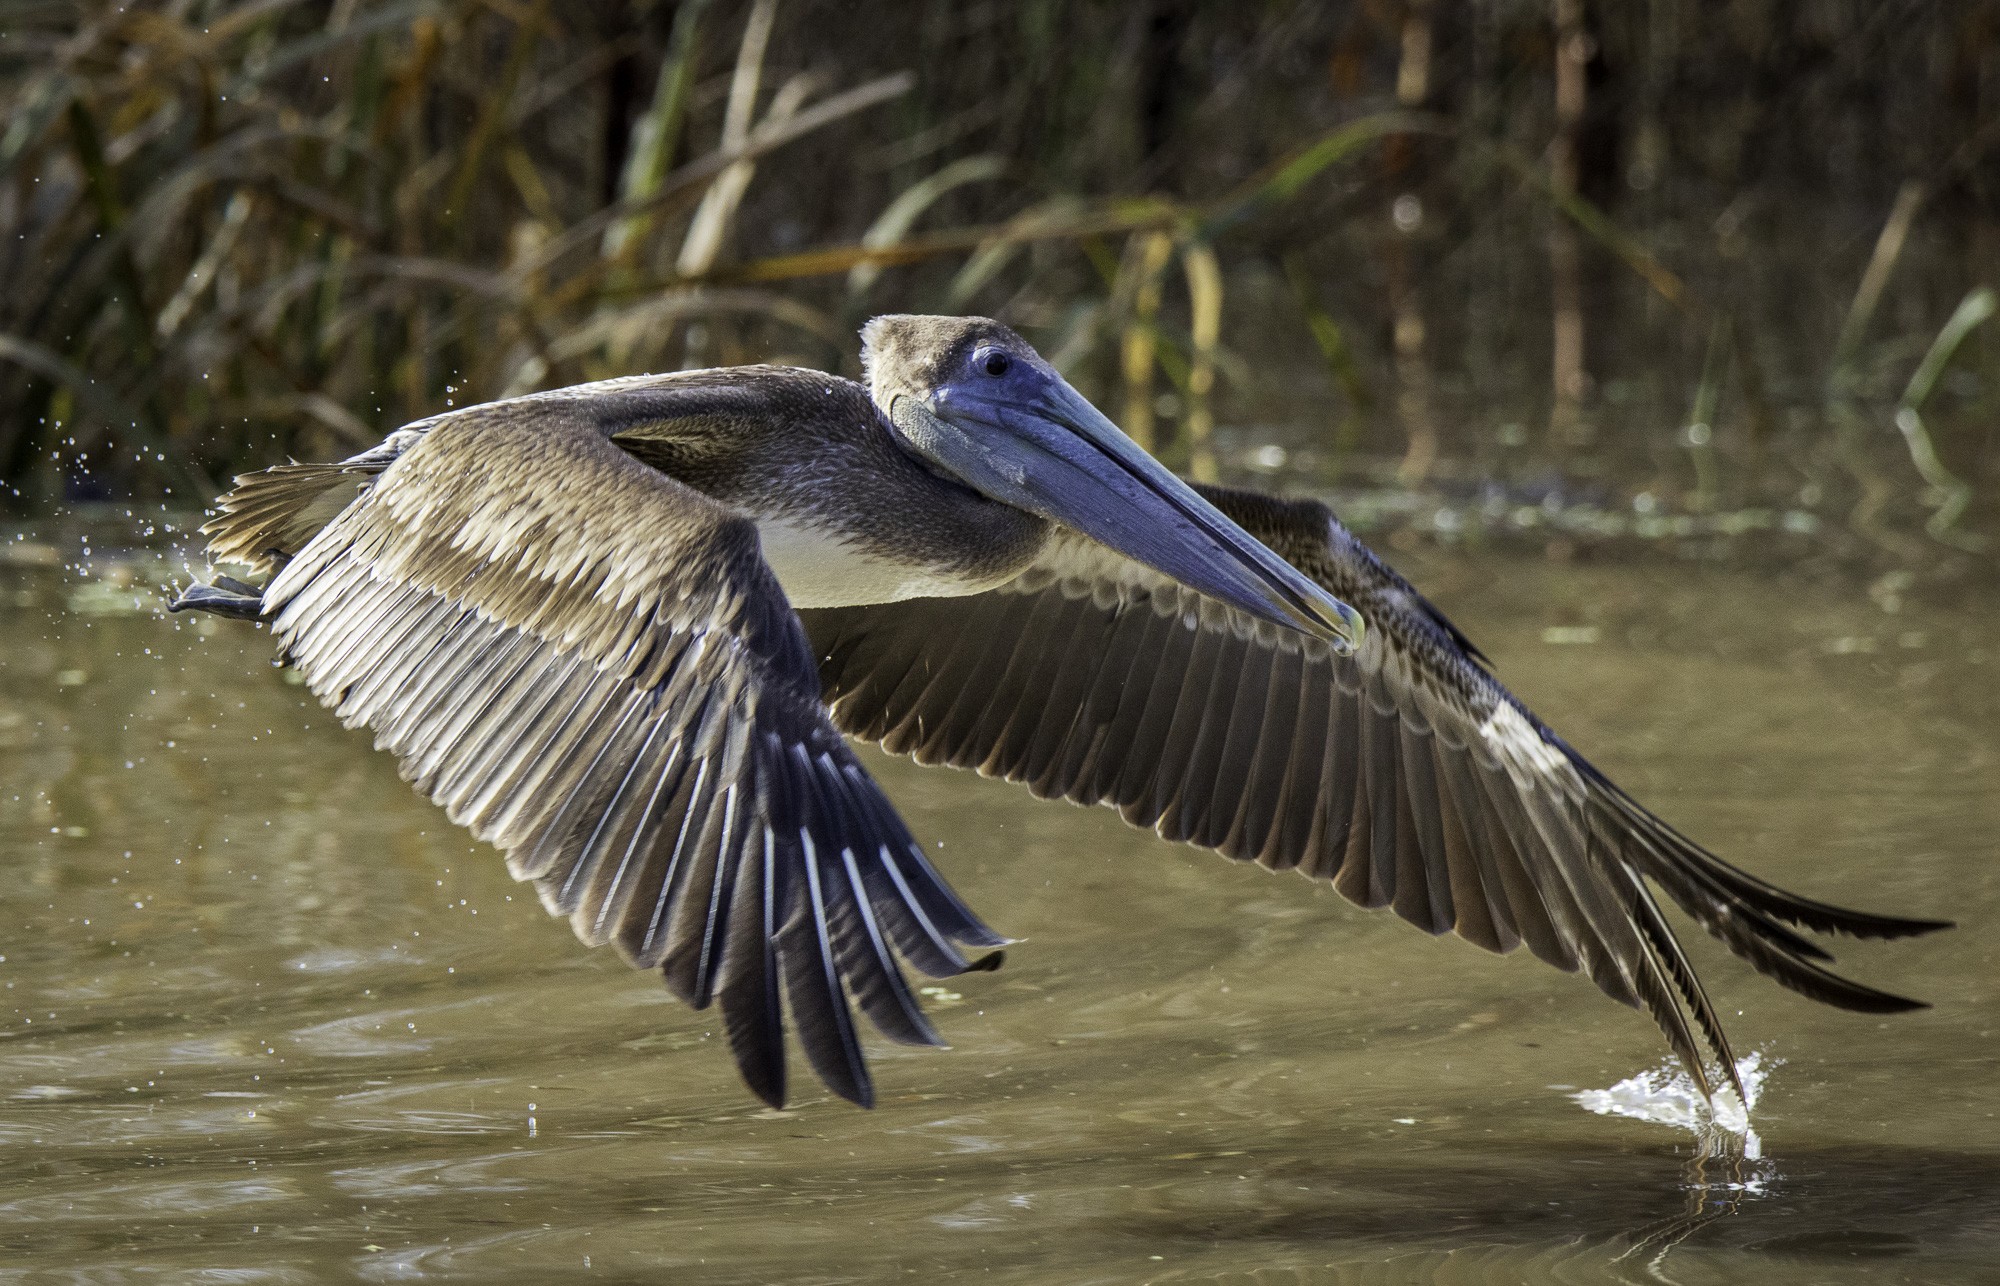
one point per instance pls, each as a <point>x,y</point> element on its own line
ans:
<point>1590,270</point>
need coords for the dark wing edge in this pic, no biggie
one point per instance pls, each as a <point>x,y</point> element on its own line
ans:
<point>617,695</point>
<point>1404,775</point>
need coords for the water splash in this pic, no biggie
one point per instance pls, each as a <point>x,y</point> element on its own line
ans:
<point>1666,1095</point>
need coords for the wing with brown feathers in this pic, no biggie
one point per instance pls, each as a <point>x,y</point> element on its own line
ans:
<point>589,665</point>
<point>1404,774</point>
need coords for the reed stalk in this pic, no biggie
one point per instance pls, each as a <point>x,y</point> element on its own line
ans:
<point>245,229</point>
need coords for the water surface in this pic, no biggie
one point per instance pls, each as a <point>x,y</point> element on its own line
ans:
<point>267,1017</point>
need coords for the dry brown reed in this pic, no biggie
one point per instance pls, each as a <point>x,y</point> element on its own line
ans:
<point>235,230</point>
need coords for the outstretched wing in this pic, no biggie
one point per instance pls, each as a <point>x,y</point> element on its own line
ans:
<point>1404,774</point>
<point>589,664</point>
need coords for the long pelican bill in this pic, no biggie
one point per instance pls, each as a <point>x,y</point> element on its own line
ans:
<point>1047,450</point>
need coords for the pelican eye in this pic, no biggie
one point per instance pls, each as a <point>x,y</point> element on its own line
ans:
<point>996,363</point>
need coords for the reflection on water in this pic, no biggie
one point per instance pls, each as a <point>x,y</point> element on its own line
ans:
<point>269,1018</point>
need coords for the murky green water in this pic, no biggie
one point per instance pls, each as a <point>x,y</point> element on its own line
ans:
<point>267,1017</point>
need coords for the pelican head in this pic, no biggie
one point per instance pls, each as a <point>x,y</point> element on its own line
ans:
<point>975,400</point>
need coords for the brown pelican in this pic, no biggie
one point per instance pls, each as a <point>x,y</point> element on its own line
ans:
<point>623,631</point>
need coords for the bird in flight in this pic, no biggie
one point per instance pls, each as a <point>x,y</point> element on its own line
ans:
<point>625,631</point>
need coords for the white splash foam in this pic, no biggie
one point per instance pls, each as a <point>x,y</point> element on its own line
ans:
<point>1666,1095</point>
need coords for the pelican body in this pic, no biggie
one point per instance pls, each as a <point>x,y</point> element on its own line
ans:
<point>626,631</point>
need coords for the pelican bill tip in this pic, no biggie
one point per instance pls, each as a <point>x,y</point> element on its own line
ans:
<point>1339,624</point>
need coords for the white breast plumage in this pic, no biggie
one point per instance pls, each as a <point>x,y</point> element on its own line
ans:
<point>817,568</point>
